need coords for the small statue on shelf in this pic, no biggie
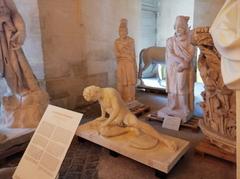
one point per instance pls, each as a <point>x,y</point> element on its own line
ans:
<point>126,63</point>
<point>120,120</point>
<point>27,103</point>
<point>180,72</point>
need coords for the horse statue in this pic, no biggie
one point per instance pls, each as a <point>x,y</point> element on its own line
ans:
<point>150,55</point>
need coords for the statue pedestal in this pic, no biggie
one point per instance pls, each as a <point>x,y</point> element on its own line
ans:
<point>7,173</point>
<point>16,140</point>
<point>23,111</point>
<point>158,156</point>
<point>227,145</point>
<point>137,108</point>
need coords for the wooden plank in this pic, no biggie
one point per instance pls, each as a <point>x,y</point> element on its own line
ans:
<point>138,108</point>
<point>16,141</point>
<point>148,89</point>
<point>140,111</point>
<point>205,147</point>
<point>13,150</point>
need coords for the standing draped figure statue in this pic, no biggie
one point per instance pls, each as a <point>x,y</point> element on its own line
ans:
<point>27,103</point>
<point>180,72</point>
<point>126,63</point>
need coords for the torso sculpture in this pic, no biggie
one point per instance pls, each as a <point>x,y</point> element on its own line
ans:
<point>28,101</point>
<point>180,72</point>
<point>219,105</point>
<point>119,120</point>
<point>126,63</point>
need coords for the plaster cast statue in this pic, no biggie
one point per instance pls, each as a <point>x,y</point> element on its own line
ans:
<point>120,119</point>
<point>180,72</point>
<point>126,63</point>
<point>27,103</point>
<point>226,36</point>
<point>219,105</point>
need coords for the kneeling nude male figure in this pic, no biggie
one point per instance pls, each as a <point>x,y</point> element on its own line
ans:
<point>120,119</point>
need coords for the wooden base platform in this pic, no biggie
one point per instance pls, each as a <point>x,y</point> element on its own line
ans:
<point>17,141</point>
<point>191,124</point>
<point>159,157</point>
<point>137,108</point>
<point>151,89</point>
<point>206,148</point>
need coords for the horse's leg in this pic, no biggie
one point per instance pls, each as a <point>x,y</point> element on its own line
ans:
<point>159,73</point>
<point>141,70</point>
<point>154,66</point>
<point>146,65</point>
<point>140,66</point>
<point>140,73</point>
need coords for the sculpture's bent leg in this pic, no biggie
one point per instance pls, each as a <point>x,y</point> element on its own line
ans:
<point>112,131</point>
<point>132,121</point>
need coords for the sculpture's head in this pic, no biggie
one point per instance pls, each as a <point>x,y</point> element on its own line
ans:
<point>91,93</point>
<point>181,25</point>
<point>123,29</point>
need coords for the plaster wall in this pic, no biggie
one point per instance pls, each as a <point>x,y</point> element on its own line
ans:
<point>205,11</point>
<point>78,42</point>
<point>168,11</point>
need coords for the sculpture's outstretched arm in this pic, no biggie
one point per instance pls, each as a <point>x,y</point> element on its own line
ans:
<point>134,51</point>
<point>103,113</point>
<point>170,54</point>
<point>188,54</point>
<point>134,58</point>
<point>116,50</point>
<point>115,110</point>
<point>175,58</point>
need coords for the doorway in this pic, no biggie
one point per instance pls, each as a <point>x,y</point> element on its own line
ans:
<point>149,31</point>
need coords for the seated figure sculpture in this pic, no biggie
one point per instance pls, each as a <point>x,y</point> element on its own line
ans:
<point>120,119</point>
<point>180,72</point>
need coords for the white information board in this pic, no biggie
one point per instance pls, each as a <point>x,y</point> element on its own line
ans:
<point>172,123</point>
<point>49,144</point>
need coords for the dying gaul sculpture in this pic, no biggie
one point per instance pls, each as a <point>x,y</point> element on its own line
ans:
<point>120,120</point>
<point>27,103</point>
<point>219,105</point>
<point>126,63</point>
<point>180,72</point>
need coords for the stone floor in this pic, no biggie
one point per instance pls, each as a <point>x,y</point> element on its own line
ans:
<point>86,160</point>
